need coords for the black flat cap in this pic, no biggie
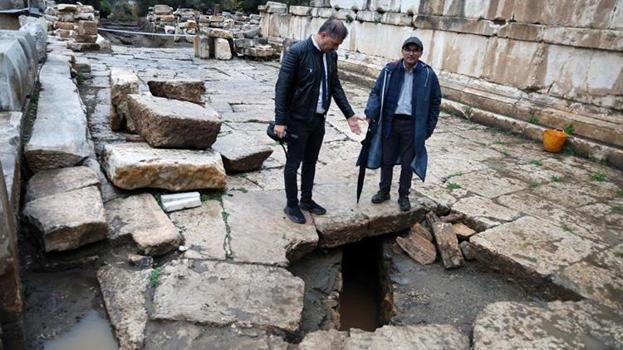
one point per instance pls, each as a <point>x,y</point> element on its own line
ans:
<point>413,41</point>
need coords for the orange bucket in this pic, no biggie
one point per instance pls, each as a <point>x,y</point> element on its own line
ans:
<point>553,140</point>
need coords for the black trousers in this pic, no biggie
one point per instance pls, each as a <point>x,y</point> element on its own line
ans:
<point>399,143</point>
<point>304,149</point>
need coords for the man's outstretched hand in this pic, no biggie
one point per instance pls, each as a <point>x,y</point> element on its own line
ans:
<point>353,123</point>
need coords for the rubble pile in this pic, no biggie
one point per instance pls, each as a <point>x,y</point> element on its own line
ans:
<point>76,23</point>
<point>220,36</point>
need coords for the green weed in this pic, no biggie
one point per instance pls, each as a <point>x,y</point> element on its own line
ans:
<point>598,176</point>
<point>569,129</point>
<point>533,120</point>
<point>536,162</point>
<point>154,277</point>
<point>557,178</point>
<point>453,186</point>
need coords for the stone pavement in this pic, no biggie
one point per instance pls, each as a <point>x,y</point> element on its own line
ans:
<point>556,220</point>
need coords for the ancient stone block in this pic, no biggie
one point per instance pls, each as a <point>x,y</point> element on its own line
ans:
<point>123,82</point>
<point>82,47</point>
<point>141,218</point>
<point>173,123</point>
<point>50,182</point>
<point>191,90</point>
<point>64,25</point>
<point>10,155</point>
<point>179,201</point>
<point>420,230</point>
<point>64,226</point>
<point>201,46</point>
<point>249,295</point>
<point>278,241</point>
<point>300,10</point>
<point>90,39</point>
<point>462,231</point>
<point>508,325</point>
<point>241,153</point>
<point>136,165</point>
<point>222,50</point>
<point>126,307</point>
<point>160,10</point>
<point>203,229</point>
<point>59,132</point>
<point>446,241</point>
<point>87,28</point>
<point>418,248</point>
<point>17,56</point>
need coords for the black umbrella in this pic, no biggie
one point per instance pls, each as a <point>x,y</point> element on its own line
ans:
<point>362,161</point>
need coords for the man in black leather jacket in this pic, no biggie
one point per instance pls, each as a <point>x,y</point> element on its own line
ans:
<point>307,80</point>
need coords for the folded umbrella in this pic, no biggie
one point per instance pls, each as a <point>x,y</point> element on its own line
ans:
<point>362,161</point>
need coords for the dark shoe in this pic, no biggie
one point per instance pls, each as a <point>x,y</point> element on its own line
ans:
<point>312,207</point>
<point>404,203</point>
<point>295,214</point>
<point>380,197</point>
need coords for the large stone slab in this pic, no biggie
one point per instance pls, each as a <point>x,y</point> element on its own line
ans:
<point>346,221</point>
<point>434,336</point>
<point>68,220</point>
<point>140,218</point>
<point>123,82</point>
<point>272,240</point>
<point>11,154</point>
<point>125,295</point>
<point>241,153</point>
<point>204,231</point>
<point>186,335</point>
<point>50,182</point>
<point>559,325</point>
<point>172,123</point>
<point>597,277</point>
<point>38,30</point>
<point>17,69</point>
<point>59,133</point>
<point>483,213</point>
<point>136,165</point>
<point>220,294</point>
<point>191,90</point>
<point>535,246</point>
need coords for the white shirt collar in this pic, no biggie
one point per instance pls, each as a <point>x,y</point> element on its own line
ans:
<point>315,43</point>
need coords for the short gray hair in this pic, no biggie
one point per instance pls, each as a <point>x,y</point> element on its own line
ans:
<point>334,27</point>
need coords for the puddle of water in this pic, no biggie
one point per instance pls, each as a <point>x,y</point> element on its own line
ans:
<point>92,332</point>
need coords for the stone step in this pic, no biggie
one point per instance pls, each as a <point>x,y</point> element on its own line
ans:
<point>168,123</point>
<point>241,153</point>
<point>139,218</point>
<point>68,220</point>
<point>561,325</point>
<point>133,165</point>
<point>434,336</point>
<point>50,182</point>
<point>59,132</point>
<point>191,90</point>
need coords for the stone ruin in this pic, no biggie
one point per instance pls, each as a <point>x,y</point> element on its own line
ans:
<point>213,36</point>
<point>77,24</point>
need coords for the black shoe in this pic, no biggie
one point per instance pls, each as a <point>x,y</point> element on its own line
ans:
<point>404,203</point>
<point>312,207</point>
<point>295,214</point>
<point>380,197</point>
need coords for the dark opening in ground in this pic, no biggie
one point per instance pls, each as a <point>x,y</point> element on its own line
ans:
<point>361,293</point>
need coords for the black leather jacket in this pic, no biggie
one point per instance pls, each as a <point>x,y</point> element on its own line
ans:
<point>298,85</point>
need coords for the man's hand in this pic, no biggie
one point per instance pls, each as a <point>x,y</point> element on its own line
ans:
<point>353,123</point>
<point>280,130</point>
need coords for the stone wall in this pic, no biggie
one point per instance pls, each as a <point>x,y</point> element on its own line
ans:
<point>551,63</point>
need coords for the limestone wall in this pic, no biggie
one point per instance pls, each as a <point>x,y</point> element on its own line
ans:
<point>550,62</point>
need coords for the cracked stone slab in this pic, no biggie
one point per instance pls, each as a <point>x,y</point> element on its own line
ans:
<point>133,165</point>
<point>68,220</point>
<point>434,336</point>
<point>483,212</point>
<point>241,153</point>
<point>141,218</point>
<point>220,294</point>
<point>346,221</point>
<point>536,246</point>
<point>189,336</point>
<point>597,277</point>
<point>49,182</point>
<point>555,325</point>
<point>168,123</point>
<point>273,239</point>
<point>191,90</point>
<point>126,307</point>
<point>489,183</point>
<point>203,229</point>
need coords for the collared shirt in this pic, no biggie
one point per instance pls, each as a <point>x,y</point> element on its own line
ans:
<point>319,106</point>
<point>404,102</point>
